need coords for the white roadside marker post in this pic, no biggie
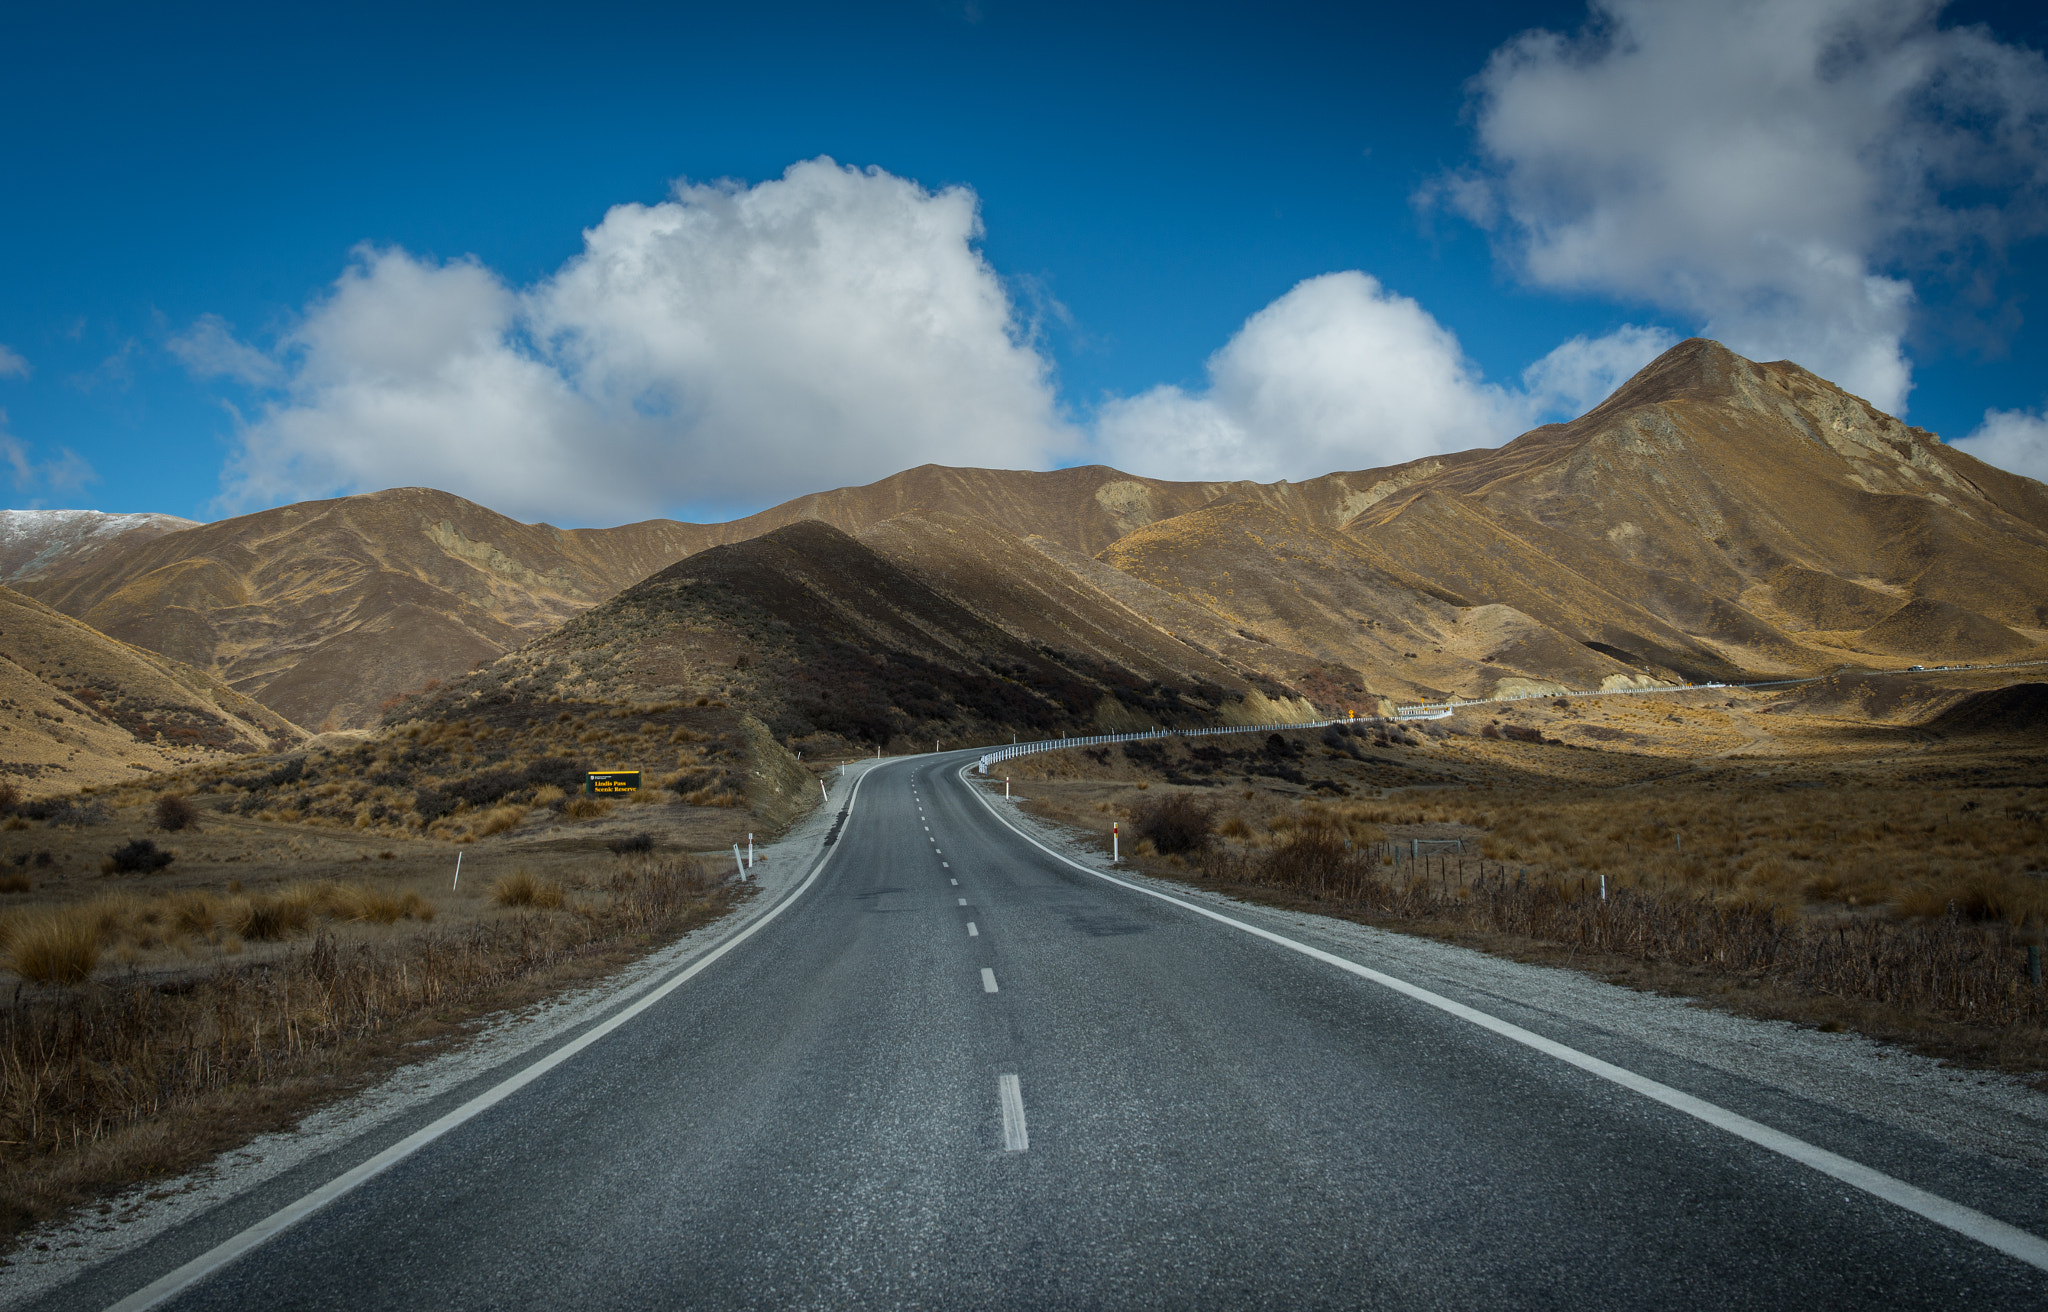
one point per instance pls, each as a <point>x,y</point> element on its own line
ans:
<point>1006,785</point>
<point>750,851</point>
<point>1115,844</point>
<point>458,871</point>
<point>738,862</point>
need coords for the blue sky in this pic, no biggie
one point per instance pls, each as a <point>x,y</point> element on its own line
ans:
<point>254,255</point>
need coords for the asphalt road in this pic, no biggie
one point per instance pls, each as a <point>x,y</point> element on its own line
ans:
<point>1208,1120</point>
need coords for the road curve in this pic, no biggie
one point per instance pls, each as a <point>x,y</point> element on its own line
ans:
<point>1031,1088</point>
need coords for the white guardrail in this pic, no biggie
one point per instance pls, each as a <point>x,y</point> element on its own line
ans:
<point>1439,710</point>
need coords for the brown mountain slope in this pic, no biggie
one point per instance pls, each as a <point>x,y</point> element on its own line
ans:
<point>1713,517</point>
<point>1940,631</point>
<point>1036,600</point>
<point>1084,508</point>
<point>326,609</point>
<point>79,708</point>
<point>1309,589</point>
<point>825,638</point>
<point>1709,484</point>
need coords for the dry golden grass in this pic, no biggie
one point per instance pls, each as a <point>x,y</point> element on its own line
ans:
<point>587,808</point>
<point>522,888</point>
<point>105,1084</point>
<point>1882,880</point>
<point>55,947</point>
<point>127,923</point>
<point>1908,852</point>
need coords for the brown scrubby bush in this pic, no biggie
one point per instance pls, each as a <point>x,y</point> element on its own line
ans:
<point>175,812</point>
<point>1174,824</point>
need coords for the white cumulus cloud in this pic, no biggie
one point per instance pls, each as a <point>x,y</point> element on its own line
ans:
<point>732,345</point>
<point>1781,171</point>
<point>2013,440</point>
<point>12,365</point>
<point>1342,373</point>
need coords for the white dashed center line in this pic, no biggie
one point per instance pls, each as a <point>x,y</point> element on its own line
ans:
<point>1015,1138</point>
<point>954,882</point>
<point>963,901</point>
<point>972,932</point>
<point>988,980</point>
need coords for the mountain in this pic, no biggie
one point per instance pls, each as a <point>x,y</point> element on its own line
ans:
<point>79,708</point>
<point>824,637</point>
<point>1717,515</point>
<point>1714,519</point>
<point>32,542</point>
<point>324,610</point>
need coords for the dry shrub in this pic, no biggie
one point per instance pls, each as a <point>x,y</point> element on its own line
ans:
<point>141,857</point>
<point>56,947</point>
<point>1174,824</point>
<point>522,888</point>
<point>14,881</point>
<point>547,795</point>
<point>587,808</point>
<point>175,812</point>
<point>631,845</point>
<point>713,796</point>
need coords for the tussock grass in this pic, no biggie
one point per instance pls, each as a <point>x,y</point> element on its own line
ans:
<point>105,1083</point>
<point>1948,968</point>
<point>61,946</point>
<point>128,923</point>
<point>522,888</point>
<point>1900,852</point>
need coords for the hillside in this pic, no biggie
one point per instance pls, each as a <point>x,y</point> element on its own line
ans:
<point>1716,514</point>
<point>326,609</point>
<point>78,708</point>
<point>828,640</point>
<point>35,542</point>
<point>1714,519</point>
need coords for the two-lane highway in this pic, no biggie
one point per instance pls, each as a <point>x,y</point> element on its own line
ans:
<point>956,1071</point>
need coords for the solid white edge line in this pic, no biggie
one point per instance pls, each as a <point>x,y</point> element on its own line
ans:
<point>220,1255</point>
<point>988,980</point>
<point>1967,1221</point>
<point>1016,1136</point>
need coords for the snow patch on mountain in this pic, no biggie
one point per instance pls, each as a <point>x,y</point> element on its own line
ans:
<point>34,541</point>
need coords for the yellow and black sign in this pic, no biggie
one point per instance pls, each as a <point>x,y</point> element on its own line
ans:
<point>601,782</point>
